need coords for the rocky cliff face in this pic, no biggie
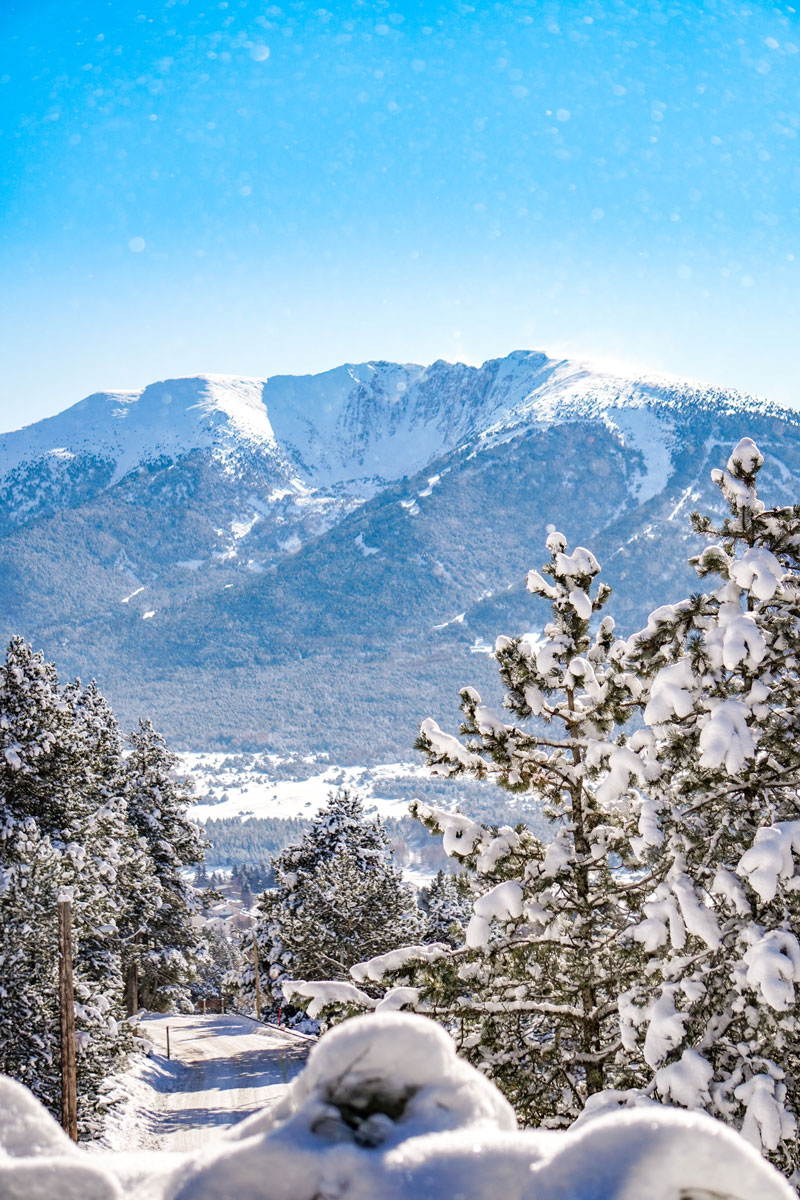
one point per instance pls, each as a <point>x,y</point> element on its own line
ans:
<point>321,561</point>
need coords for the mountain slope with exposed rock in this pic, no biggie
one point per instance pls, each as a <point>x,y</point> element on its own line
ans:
<point>320,561</point>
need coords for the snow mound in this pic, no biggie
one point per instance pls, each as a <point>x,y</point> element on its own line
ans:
<point>386,1109</point>
<point>384,1078</point>
<point>37,1159</point>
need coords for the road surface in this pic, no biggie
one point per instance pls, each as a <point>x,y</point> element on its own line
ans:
<point>222,1069</point>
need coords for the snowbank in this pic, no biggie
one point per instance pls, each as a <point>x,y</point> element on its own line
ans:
<point>386,1110</point>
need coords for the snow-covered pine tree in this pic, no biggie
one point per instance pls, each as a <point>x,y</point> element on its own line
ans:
<point>58,809</point>
<point>30,1042</point>
<point>116,887</point>
<point>39,756</point>
<point>530,994</point>
<point>718,1012</point>
<point>445,906</point>
<point>37,743</point>
<point>337,898</point>
<point>168,942</point>
<point>126,861</point>
<point>219,966</point>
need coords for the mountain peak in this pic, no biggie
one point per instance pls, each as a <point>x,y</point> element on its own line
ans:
<point>200,397</point>
<point>167,419</point>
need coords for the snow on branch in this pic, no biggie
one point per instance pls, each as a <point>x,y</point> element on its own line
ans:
<point>393,961</point>
<point>771,858</point>
<point>446,748</point>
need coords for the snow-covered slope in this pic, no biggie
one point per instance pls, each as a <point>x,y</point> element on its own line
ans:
<point>211,543</point>
<point>69,459</point>
<point>370,422</point>
<point>166,419</point>
<point>380,421</point>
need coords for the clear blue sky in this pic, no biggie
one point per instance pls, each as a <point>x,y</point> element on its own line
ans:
<point>251,188</point>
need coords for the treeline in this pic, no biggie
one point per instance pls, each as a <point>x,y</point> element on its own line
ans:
<point>99,820</point>
<point>252,841</point>
<point>232,841</point>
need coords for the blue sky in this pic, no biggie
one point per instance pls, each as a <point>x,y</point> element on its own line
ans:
<point>252,188</point>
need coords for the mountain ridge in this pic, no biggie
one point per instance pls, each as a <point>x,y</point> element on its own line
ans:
<point>326,554</point>
<point>280,412</point>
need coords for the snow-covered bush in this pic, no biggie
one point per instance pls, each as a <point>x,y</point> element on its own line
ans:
<point>385,1109</point>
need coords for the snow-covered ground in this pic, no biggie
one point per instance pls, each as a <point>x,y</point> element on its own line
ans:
<point>222,1068</point>
<point>260,785</point>
<point>383,1111</point>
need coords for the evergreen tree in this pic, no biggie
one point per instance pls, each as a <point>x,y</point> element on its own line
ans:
<point>337,898</point>
<point>445,905</point>
<point>168,942</point>
<point>37,743</point>
<point>74,821</point>
<point>30,1042</point>
<point>58,805</point>
<point>530,993</point>
<point>219,964</point>
<point>103,878</point>
<point>717,1012</point>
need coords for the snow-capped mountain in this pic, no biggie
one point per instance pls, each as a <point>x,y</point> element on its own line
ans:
<point>282,562</point>
<point>356,426</point>
<point>130,429</point>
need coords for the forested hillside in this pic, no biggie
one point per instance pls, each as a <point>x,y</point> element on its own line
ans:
<point>289,563</point>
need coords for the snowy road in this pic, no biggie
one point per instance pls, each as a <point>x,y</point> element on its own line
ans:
<point>222,1069</point>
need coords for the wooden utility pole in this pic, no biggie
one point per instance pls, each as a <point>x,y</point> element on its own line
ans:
<point>132,981</point>
<point>69,1086</point>
<point>258,984</point>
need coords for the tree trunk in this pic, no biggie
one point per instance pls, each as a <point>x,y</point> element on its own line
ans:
<point>590,1026</point>
<point>69,1087</point>
<point>132,981</point>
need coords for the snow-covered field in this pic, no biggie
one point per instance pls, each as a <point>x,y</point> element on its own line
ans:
<point>261,785</point>
<point>385,1110</point>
